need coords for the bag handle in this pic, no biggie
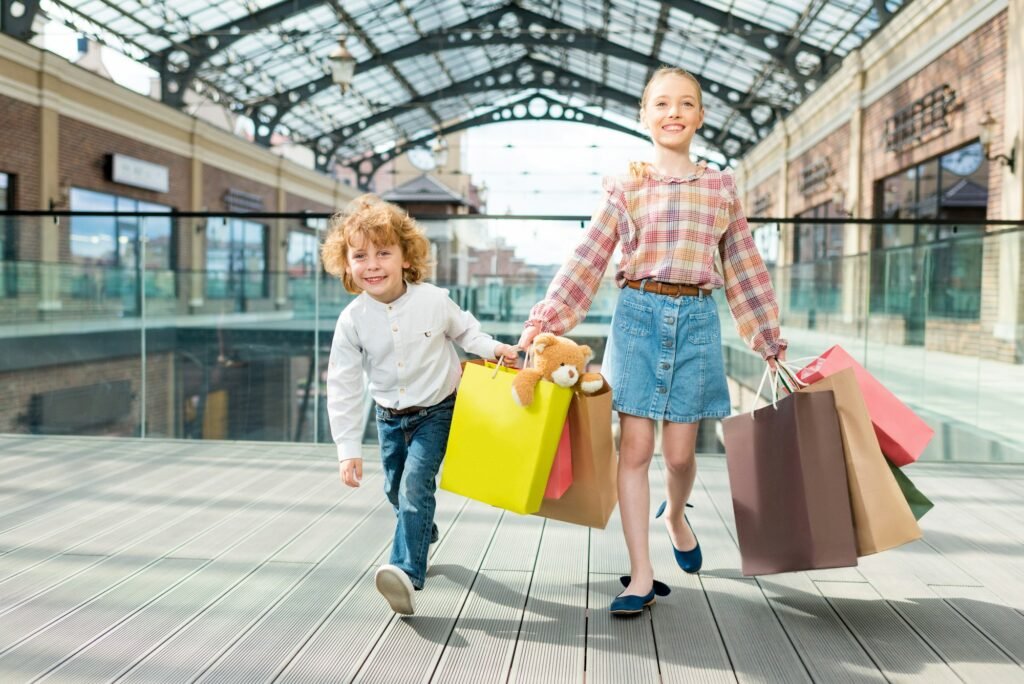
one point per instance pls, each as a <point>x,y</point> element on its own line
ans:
<point>501,361</point>
<point>773,386</point>
<point>788,377</point>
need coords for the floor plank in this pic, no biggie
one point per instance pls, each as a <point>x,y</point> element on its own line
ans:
<point>164,561</point>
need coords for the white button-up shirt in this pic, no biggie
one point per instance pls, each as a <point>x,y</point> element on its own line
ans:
<point>405,350</point>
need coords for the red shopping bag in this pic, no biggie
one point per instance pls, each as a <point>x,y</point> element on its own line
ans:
<point>901,433</point>
<point>561,468</point>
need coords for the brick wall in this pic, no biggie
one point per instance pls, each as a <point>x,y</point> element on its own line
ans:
<point>217,181</point>
<point>14,404</point>
<point>294,202</point>
<point>82,164</point>
<point>976,69</point>
<point>769,187</point>
<point>19,156</point>
<point>836,147</point>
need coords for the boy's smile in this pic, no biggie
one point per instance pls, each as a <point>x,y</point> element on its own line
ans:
<point>378,270</point>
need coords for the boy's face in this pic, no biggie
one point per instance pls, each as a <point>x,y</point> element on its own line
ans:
<point>673,112</point>
<point>377,270</point>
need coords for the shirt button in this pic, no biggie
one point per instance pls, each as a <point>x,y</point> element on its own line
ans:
<point>394,328</point>
<point>670,319</point>
<point>401,390</point>
<point>665,365</point>
<point>399,364</point>
<point>390,308</point>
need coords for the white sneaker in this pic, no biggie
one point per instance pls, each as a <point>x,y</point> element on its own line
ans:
<point>395,586</point>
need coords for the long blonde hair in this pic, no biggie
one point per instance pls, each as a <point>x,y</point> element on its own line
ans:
<point>638,169</point>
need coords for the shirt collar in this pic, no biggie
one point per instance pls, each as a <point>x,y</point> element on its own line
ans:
<point>657,175</point>
<point>404,297</point>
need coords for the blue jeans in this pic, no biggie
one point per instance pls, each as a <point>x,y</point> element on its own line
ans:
<point>412,447</point>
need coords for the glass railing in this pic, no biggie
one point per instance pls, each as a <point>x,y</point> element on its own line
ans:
<point>131,341</point>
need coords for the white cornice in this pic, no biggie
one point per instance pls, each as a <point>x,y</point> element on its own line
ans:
<point>29,94</point>
<point>125,112</point>
<point>19,52</point>
<point>975,16</point>
<point>910,19</point>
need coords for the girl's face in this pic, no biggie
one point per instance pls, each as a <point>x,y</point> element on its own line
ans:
<point>672,112</point>
<point>377,270</point>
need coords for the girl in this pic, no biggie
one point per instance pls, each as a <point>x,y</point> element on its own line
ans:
<point>399,332</point>
<point>683,234</point>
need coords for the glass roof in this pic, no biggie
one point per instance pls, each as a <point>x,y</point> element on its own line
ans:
<point>423,66</point>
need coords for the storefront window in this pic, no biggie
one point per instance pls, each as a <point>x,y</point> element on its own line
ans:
<point>236,259</point>
<point>816,241</point>
<point>817,269</point>
<point>953,186</point>
<point>114,240</point>
<point>950,187</point>
<point>93,238</point>
<point>301,253</point>
<point>112,255</point>
<point>8,277</point>
<point>6,201</point>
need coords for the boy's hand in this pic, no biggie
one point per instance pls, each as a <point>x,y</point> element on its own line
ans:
<point>510,352</point>
<point>351,471</point>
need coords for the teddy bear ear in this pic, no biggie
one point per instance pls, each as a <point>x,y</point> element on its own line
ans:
<point>588,353</point>
<point>541,342</point>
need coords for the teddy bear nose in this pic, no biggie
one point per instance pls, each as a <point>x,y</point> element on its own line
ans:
<point>572,373</point>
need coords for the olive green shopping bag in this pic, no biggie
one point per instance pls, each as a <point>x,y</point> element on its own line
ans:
<point>499,452</point>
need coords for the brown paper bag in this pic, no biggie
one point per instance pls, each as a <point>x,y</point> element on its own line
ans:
<point>789,492</point>
<point>592,496</point>
<point>882,519</point>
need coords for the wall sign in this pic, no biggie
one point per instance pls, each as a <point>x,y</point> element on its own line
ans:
<point>762,203</point>
<point>240,200</point>
<point>921,120</point>
<point>814,177</point>
<point>138,173</point>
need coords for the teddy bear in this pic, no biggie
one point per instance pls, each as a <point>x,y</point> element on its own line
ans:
<point>559,360</point>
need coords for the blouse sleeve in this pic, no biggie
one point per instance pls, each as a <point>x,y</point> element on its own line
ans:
<point>572,290</point>
<point>748,287</point>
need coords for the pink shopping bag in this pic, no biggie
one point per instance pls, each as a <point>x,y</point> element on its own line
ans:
<point>901,433</point>
<point>561,468</point>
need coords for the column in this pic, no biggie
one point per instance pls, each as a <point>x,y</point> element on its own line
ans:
<point>279,244</point>
<point>1009,325</point>
<point>854,269</point>
<point>196,228</point>
<point>50,193</point>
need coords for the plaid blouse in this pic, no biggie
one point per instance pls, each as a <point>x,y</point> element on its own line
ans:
<point>690,231</point>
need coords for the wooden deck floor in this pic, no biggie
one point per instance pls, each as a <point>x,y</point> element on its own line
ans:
<point>154,561</point>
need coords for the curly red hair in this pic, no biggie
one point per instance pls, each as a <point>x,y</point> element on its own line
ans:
<point>370,219</point>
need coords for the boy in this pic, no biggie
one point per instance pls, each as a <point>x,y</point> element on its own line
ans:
<point>399,332</point>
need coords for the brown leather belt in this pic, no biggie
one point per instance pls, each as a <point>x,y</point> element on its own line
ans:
<point>413,409</point>
<point>667,289</point>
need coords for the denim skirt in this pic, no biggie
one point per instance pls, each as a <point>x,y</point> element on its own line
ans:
<point>664,358</point>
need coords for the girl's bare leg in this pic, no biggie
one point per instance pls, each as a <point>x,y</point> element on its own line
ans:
<point>635,452</point>
<point>678,444</point>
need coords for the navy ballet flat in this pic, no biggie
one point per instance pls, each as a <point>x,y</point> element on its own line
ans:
<point>634,605</point>
<point>690,561</point>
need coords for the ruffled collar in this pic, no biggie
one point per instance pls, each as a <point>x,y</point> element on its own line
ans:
<point>657,175</point>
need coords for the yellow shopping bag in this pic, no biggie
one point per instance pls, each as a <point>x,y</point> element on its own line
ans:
<point>498,451</point>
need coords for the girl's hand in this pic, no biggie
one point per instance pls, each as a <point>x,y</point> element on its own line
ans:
<point>781,356</point>
<point>351,471</point>
<point>526,339</point>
